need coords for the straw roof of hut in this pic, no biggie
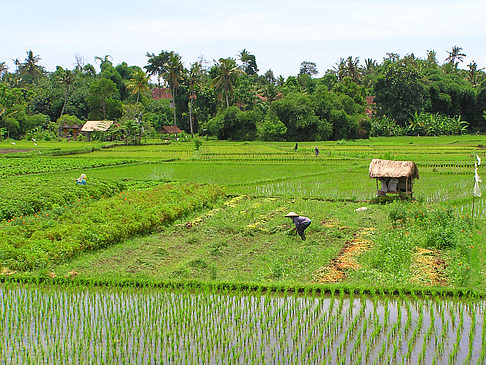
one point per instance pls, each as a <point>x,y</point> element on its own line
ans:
<point>170,129</point>
<point>396,169</point>
<point>96,125</point>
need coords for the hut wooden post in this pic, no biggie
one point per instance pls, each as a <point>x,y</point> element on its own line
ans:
<point>376,186</point>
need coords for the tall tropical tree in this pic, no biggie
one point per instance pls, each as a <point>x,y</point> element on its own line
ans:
<point>308,68</point>
<point>67,79</point>
<point>104,61</point>
<point>194,79</point>
<point>139,83</point>
<point>3,68</point>
<point>30,68</point>
<point>370,65</point>
<point>102,92</point>
<point>455,55</point>
<point>349,67</point>
<point>157,64</point>
<point>227,74</point>
<point>17,64</point>
<point>473,73</point>
<point>173,75</point>
<point>249,63</point>
<point>431,60</point>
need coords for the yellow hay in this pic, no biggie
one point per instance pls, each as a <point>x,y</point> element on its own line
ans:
<point>346,259</point>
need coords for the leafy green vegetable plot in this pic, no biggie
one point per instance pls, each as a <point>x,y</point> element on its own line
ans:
<point>24,165</point>
<point>27,195</point>
<point>38,241</point>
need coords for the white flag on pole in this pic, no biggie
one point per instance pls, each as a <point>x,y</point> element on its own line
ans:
<point>477,180</point>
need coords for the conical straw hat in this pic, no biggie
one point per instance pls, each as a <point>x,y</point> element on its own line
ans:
<point>292,214</point>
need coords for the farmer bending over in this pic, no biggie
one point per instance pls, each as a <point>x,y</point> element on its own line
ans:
<point>301,223</point>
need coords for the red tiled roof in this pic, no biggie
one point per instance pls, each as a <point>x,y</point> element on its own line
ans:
<point>370,100</point>
<point>161,93</point>
<point>170,129</point>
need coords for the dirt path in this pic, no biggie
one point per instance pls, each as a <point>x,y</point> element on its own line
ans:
<point>346,259</point>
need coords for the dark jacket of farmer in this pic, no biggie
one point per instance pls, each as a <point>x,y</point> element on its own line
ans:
<point>301,223</point>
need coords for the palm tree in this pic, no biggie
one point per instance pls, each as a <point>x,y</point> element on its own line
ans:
<point>67,79</point>
<point>348,67</point>
<point>455,54</point>
<point>248,60</point>
<point>431,58</point>
<point>473,72</point>
<point>173,75</point>
<point>17,64</point>
<point>105,61</point>
<point>370,65</point>
<point>194,78</point>
<point>157,64</point>
<point>139,83</point>
<point>3,68</point>
<point>353,69</point>
<point>30,66</point>
<point>228,71</point>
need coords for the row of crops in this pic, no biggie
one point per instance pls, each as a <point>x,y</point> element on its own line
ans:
<point>40,240</point>
<point>336,179</point>
<point>28,195</point>
<point>30,165</point>
<point>47,324</point>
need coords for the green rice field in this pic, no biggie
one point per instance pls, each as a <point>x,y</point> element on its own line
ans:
<point>175,255</point>
<point>45,324</point>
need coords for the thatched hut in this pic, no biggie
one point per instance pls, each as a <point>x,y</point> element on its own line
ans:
<point>170,129</point>
<point>395,176</point>
<point>95,125</point>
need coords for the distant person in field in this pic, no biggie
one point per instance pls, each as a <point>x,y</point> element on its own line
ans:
<point>301,223</point>
<point>296,146</point>
<point>316,151</point>
<point>81,180</point>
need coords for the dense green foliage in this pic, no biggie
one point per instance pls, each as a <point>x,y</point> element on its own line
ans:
<point>230,100</point>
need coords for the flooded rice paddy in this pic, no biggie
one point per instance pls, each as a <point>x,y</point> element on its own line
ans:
<point>47,324</point>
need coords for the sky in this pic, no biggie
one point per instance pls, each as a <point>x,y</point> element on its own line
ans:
<point>281,34</point>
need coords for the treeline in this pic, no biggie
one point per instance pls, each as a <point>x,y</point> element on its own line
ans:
<point>230,99</point>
